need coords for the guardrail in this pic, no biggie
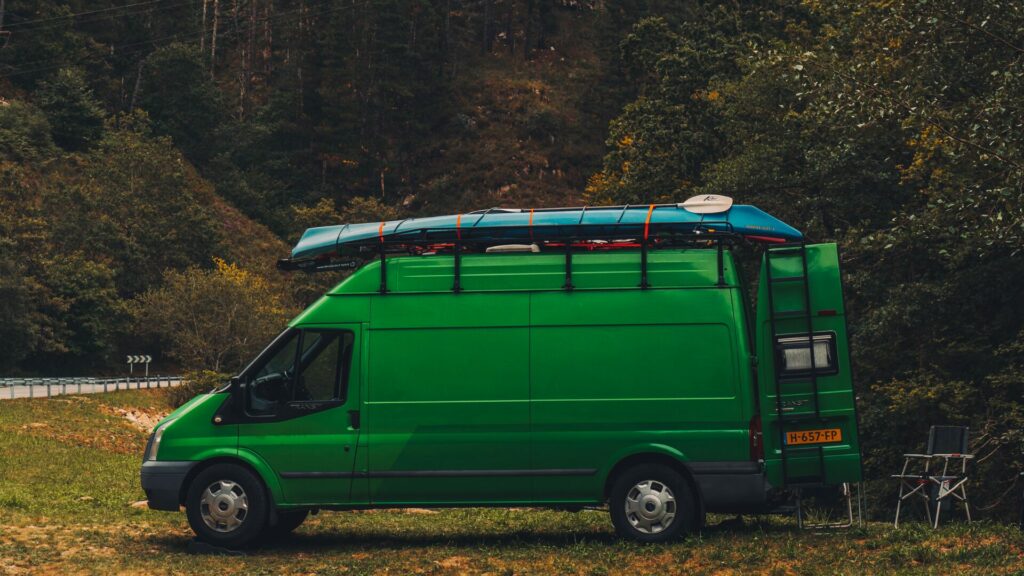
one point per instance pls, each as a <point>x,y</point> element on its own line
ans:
<point>11,388</point>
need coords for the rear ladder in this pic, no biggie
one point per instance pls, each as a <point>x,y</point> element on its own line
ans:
<point>786,416</point>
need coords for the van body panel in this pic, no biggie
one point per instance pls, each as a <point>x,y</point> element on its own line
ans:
<point>639,378</point>
<point>190,436</point>
<point>447,406</point>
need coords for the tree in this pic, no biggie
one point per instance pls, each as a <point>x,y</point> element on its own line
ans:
<point>24,134</point>
<point>182,100</point>
<point>133,201</point>
<point>75,116</point>
<point>211,319</point>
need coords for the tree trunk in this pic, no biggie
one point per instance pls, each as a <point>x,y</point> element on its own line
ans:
<point>543,11</point>
<point>213,38</point>
<point>485,45</point>
<point>528,29</point>
<point>202,28</point>
<point>138,82</point>
<point>268,39</point>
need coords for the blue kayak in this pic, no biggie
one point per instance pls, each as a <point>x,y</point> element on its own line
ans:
<point>498,225</point>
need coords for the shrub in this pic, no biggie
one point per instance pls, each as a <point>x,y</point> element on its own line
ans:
<point>195,382</point>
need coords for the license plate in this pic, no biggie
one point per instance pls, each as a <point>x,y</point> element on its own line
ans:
<point>824,436</point>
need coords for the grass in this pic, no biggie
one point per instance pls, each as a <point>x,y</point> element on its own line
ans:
<point>69,478</point>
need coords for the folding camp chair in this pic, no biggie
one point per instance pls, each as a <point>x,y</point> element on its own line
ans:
<point>944,475</point>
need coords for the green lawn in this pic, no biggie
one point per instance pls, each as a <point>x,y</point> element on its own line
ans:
<point>69,477</point>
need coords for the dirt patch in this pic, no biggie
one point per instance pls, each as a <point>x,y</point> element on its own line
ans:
<point>144,420</point>
<point>454,563</point>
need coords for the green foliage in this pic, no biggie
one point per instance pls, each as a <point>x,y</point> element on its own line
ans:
<point>195,382</point>
<point>75,116</point>
<point>211,319</point>
<point>136,202</point>
<point>182,100</point>
<point>24,134</point>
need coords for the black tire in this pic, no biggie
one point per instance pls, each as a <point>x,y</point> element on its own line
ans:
<point>287,522</point>
<point>233,482</point>
<point>668,492</point>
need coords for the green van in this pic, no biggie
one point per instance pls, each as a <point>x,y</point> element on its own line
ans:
<point>561,373</point>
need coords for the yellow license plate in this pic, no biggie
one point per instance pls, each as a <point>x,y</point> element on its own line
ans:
<point>814,436</point>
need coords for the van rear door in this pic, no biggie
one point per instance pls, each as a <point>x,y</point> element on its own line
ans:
<point>806,390</point>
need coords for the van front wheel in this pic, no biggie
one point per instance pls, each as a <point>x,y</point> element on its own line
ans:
<point>651,503</point>
<point>226,505</point>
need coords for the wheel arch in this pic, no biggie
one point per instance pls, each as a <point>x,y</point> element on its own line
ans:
<point>241,458</point>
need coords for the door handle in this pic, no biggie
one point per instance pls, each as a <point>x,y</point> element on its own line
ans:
<point>353,419</point>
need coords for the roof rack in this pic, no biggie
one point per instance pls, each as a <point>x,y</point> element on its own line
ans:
<point>568,229</point>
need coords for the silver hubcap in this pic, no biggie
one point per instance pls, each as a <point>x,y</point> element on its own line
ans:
<point>650,506</point>
<point>224,506</point>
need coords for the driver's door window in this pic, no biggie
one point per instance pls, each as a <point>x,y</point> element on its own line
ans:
<point>271,386</point>
<point>309,366</point>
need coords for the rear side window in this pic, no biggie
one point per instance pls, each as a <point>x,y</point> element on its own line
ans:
<point>309,366</point>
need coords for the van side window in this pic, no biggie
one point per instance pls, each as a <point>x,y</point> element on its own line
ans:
<point>326,357</point>
<point>310,366</point>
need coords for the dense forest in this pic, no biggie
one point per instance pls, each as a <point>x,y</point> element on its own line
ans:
<point>157,156</point>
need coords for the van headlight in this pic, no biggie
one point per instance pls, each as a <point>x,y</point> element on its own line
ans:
<point>153,446</point>
<point>794,354</point>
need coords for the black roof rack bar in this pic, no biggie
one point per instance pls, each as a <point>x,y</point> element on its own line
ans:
<point>457,263</point>
<point>568,266</point>
<point>580,233</point>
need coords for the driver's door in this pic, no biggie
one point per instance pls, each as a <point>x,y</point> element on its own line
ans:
<point>301,412</point>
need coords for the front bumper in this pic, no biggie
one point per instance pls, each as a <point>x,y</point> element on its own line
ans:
<point>162,481</point>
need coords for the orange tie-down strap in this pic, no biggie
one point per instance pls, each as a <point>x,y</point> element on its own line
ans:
<point>531,224</point>
<point>647,223</point>
<point>380,232</point>
<point>458,226</point>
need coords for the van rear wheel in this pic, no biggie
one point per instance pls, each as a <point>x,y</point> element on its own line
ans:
<point>226,505</point>
<point>651,503</point>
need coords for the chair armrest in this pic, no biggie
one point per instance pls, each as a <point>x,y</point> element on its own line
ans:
<point>919,455</point>
<point>954,456</point>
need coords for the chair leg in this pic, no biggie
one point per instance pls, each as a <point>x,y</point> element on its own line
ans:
<point>899,502</point>
<point>967,507</point>
<point>928,507</point>
<point>942,495</point>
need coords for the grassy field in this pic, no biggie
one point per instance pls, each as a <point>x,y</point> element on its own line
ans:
<point>69,503</point>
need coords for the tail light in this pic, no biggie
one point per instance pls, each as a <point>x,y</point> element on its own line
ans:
<point>756,443</point>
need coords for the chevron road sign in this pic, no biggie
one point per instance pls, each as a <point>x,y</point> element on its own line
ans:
<point>134,359</point>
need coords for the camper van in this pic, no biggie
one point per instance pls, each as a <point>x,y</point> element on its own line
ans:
<point>563,358</point>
